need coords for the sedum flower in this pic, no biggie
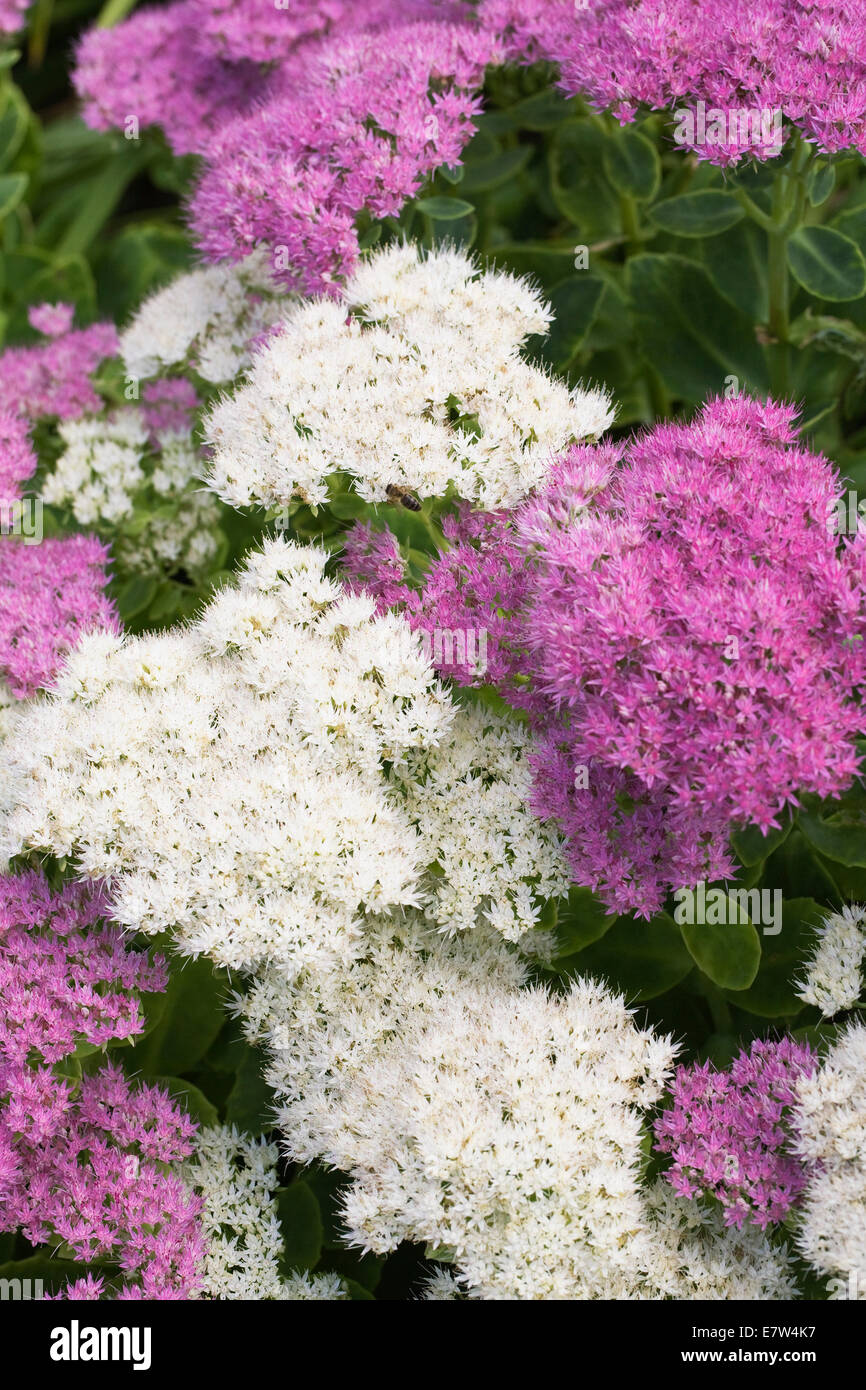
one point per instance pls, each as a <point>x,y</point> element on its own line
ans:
<point>53,378</point>
<point>831,1126</point>
<point>141,492</point>
<point>729,1132</point>
<point>833,979</point>
<point>804,60</point>
<point>204,321</point>
<point>500,1125</point>
<point>50,595</point>
<point>247,782</point>
<point>236,1178</point>
<point>84,1162</point>
<point>306,116</point>
<point>420,385</point>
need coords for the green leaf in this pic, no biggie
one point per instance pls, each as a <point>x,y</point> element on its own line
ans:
<point>632,164</point>
<point>329,1187</point>
<point>136,261</point>
<point>12,190</point>
<point>737,266</point>
<point>820,183</point>
<point>640,958</point>
<point>800,872</point>
<point>575,303</point>
<point>365,1270</point>
<point>250,1104</point>
<point>452,174</point>
<point>543,111</point>
<point>548,264</point>
<point>357,1292</point>
<point>581,921</point>
<point>772,992</point>
<point>13,126</point>
<point>443,209</point>
<point>837,829</point>
<point>481,175</point>
<point>728,952</point>
<point>689,332</point>
<point>65,278</point>
<point>193,1100</point>
<point>348,506</point>
<point>752,845</point>
<point>301,1226</point>
<point>102,193</point>
<point>827,263</point>
<point>135,595</point>
<point>192,1018</point>
<point>165,604</point>
<point>581,191</point>
<point>697,214</point>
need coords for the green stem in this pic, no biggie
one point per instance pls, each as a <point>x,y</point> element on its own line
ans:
<point>630,222</point>
<point>779,319</point>
<point>40,28</point>
<point>113,11</point>
<point>789,200</point>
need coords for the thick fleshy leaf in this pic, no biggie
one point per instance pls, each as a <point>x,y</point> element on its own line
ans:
<point>827,263</point>
<point>728,951</point>
<point>697,214</point>
<point>771,994</point>
<point>301,1226</point>
<point>642,959</point>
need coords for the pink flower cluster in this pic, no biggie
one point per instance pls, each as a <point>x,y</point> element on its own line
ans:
<point>53,378</point>
<point>369,120</point>
<point>82,1162</point>
<point>17,459</point>
<point>701,639</point>
<point>677,615</point>
<point>155,69</point>
<point>357,106</point>
<point>803,58</point>
<point>12,14</point>
<point>729,1132</point>
<point>50,594</point>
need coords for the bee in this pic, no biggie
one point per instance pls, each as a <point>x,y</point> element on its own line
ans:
<point>398,494</point>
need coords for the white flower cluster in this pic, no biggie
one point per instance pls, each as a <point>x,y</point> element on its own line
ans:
<point>205,319</point>
<point>467,801</point>
<point>236,1177</point>
<point>100,470</point>
<point>694,1255</point>
<point>833,980</point>
<point>243,781</point>
<point>503,1126</point>
<point>104,475</point>
<point>415,379</point>
<point>830,1121</point>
